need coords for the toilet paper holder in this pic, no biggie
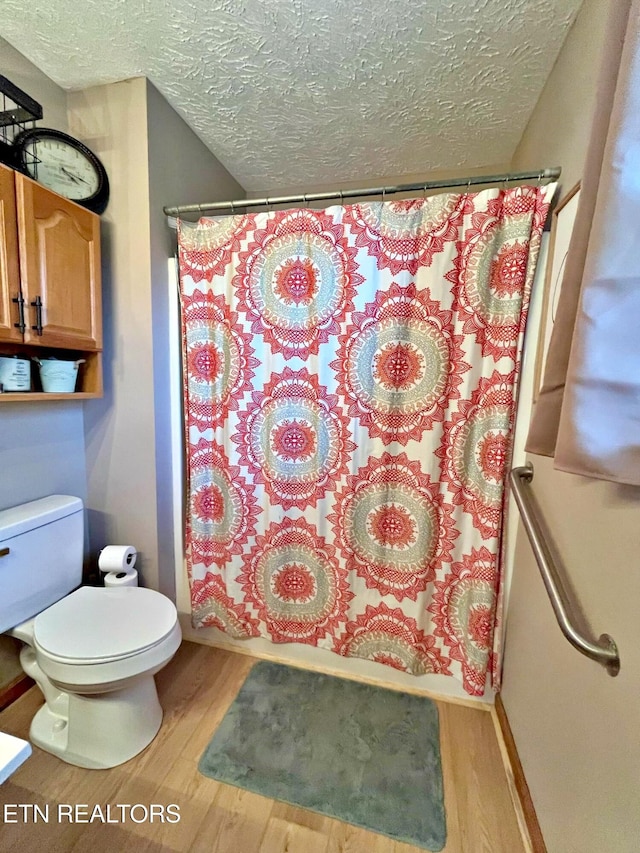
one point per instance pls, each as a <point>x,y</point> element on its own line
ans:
<point>117,558</point>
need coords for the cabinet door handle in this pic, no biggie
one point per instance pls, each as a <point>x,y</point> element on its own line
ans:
<point>19,301</point>
<point>37,304</point>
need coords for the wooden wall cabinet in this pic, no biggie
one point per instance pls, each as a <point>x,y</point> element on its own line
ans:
<point>50,281</point>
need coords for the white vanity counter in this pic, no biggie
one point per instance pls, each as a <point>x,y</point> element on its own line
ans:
<point>13,751</point>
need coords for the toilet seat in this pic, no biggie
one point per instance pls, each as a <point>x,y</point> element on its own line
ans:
<point>94,625</point>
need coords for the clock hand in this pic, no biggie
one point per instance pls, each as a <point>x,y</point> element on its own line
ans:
<point>69,174</point>
<point>73,177</point>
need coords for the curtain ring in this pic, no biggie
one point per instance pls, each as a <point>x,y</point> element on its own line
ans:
<point>268,203</point>
<point>232,208</point>
<point>341,199</point>
<point>304,199</point>
<point>468,186</point>
<point>383,192</point>
<point>424,192</point>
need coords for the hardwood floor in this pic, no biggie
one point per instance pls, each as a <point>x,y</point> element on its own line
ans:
<point>195,690</point>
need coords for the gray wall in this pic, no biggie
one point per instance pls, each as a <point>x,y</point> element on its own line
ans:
<point>15,67</point>
<point>181,171</point>
<point>576,729</point>
<point>153,159</point>
<point>41,444</point>
<point>41,451</point>
<point>119,432</point>
<point>42,448</point>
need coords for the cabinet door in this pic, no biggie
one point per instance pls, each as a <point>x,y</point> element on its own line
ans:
<point>60,265</point>
<point>9,268</point>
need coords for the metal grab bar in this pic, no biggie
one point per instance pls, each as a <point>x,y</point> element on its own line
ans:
<point>604,651</point>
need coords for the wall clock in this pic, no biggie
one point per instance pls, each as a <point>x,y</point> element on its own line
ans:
<point>64,165</point>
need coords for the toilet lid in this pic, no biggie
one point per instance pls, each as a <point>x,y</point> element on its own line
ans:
<point>98,624</point>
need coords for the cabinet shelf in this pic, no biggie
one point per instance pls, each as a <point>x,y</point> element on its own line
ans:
<point>88,383</point>
<point>30,396</point>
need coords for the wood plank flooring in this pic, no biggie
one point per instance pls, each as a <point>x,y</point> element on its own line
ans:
<point>195,690</point>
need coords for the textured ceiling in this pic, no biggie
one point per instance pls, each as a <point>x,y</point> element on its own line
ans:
<point>307,92</point>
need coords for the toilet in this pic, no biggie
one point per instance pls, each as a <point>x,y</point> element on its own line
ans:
<point>92,651</point>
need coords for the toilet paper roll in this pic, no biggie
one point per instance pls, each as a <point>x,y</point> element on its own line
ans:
<point>121,578</point>
<point>117,558</point>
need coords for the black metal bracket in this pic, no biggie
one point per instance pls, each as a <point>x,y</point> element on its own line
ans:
<point>25,109</point>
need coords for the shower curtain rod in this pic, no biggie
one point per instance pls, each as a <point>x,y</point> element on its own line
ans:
<point>541,175</point>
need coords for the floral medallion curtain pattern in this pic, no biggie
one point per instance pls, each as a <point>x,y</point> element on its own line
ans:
<point>349,398</point>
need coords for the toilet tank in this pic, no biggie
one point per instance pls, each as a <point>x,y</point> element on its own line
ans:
<point>41,547</point>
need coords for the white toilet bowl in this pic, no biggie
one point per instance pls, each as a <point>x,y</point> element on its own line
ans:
<point>92,651</point>
<point>94,654</point>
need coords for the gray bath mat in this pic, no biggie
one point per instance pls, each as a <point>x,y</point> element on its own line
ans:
<point>362,754</point>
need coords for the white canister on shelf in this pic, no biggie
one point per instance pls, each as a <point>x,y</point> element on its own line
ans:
<point>15,373</point>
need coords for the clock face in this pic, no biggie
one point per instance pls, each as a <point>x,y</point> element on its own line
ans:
<point>62,164</point>
<point>61,167</point>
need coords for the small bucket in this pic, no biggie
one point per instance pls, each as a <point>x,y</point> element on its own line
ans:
<point>58,376</point>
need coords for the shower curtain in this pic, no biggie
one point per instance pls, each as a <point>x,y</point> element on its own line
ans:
<point>349,393</point>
